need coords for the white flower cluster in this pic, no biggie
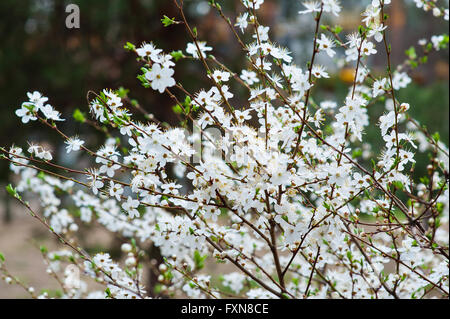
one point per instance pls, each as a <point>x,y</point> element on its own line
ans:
<point>281,189</point>
<point>37,103</point>
<point>431,5</point>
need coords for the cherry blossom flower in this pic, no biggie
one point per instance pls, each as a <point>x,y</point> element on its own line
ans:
<point>26,112</point>
<point>221,76</point>
<point>379,87</point>
<point>96,182</point>
<point>311,6</point>
<point>37,99</point>
<point>249,77</point>
<point>160,78</point>
<point>73,144</point>
<point>115,190</point>
<point>150,51</point>
<point>326,44</point>
<point>319,71</point>
<point>192,49</point>
<point>130,207</point>
<point>241,21</point>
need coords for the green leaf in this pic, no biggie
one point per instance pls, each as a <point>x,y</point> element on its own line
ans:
<point>436,137</point>
<point>2,258</point>
<point>444,42</point>
<point>337,29</point>
<point>12,191</point>
<point>360,29</point>
<point>374,165</point>
<point>108,293</point>
<point>357,153</point>
<point>122,92</point>
<point>157,289</point>
<point>177,109</point>
<point>177,55</point>
<point>118,120</point>
<point>437,222</point>
<point>187,101</point>
<point>29,106</point>
<point>349,255</point>
<point>398,185</point>
<point>166,21</point>
<point>144,81</point>
<point>129,46</point>
<point>424,180</point>
<point>199,260</point>
<point>411,53</point>
<point>79,116</point>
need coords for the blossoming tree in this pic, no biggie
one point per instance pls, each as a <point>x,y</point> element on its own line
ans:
<point>279,190</point>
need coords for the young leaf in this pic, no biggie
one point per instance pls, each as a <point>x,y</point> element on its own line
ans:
<point>79,116</point>
<point>166,21</point>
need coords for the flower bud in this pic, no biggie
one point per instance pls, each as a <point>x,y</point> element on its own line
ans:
<point>404,107</point>
<point>126,248</point>
<point>130,261</point>
<point>162,268</point>
<point>436,12</point>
